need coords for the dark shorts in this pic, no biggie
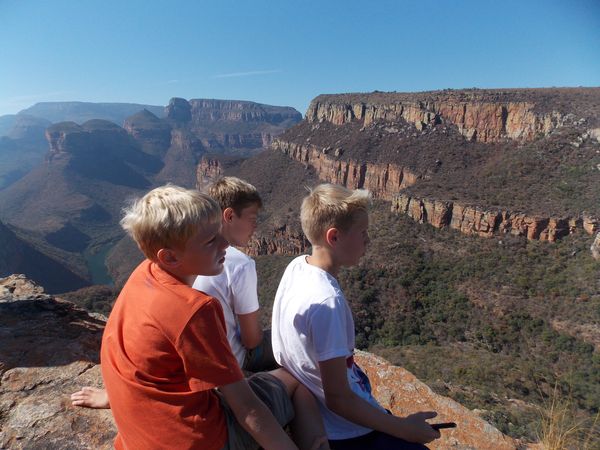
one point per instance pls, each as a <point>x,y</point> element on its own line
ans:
<point>375,440</point>
<point>271,391</point>
<point>261,359</point>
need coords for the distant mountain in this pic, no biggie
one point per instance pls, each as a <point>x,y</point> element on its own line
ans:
<point>80,112</point>
<point>231,125</point>
<point>6,123</point>
<point>74,198</point>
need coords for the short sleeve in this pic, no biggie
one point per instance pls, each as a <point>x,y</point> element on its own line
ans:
<point>243,289</point>
<point>327,330</point>
<point>205,351</point>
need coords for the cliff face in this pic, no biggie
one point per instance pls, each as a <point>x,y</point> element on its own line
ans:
<point>385,181</point>
<point>284,240</point>
<point>231,124</point>
<point>240,111</point>
<point>485,223</point>
<point>479,116</point>
<point>482,162</point>
<point>50,349</point>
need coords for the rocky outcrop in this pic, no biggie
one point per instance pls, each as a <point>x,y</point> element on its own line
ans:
<point>402,393</point>
<point>283,240</point>
<point>382,180</point>
<point>484,116</point>
<point>208,171</point>
<point>50,349</point>
<point>486,222</point>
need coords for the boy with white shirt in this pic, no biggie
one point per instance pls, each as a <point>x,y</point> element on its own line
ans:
<point>235,287</point>
<point>313,328</point>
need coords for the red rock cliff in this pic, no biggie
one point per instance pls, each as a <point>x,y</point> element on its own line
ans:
<point>383,180</point>
<point>485,222</point>
<point>484,118</point>
<point>386,180</point>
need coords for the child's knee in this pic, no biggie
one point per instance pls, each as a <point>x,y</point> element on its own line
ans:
<point>291,384</point>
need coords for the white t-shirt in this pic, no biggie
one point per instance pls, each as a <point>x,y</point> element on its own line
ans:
<point>312,322</point>
<point>235,288</point>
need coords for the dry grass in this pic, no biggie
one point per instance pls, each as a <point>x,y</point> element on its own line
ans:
<point>562,428</point>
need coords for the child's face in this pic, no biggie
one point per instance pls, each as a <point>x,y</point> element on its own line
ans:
<point>352,243</point>
<point>242,227</point>
<point>204,252</point>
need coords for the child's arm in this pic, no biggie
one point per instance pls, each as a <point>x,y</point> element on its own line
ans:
<point>343,401</point>
<point>250,330</point>
<point>254,416</point>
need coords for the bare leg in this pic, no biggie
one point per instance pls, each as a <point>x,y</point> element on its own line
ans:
<point>307,427</point>
<point>90,397</point>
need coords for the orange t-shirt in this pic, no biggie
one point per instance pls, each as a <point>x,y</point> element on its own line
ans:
<point>164,349</point>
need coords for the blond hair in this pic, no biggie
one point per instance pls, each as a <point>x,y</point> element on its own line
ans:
<point>166,217</point>
<point>331,206</point>
<point>231,192</point>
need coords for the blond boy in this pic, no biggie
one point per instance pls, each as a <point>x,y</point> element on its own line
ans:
<point>235,287</point>
<point>165,351</point>
<point>313,328</point>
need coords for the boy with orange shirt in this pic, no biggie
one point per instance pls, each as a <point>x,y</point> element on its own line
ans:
<point>165,351</point>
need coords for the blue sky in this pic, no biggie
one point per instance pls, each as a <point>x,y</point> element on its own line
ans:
<point>287,52</point>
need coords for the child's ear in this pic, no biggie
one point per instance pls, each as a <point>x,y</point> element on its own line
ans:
<point>167,257</point>
<point>228,215</point>
<point>331,236</point>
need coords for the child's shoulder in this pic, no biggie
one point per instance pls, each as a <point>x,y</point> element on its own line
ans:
<point>313,279</point>
<point>236,257</point>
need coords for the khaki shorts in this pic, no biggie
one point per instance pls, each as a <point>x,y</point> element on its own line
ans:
<point>271,391</point>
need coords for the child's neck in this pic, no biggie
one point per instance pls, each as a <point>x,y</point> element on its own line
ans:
<point>184,278</point>
<point>322,258</point>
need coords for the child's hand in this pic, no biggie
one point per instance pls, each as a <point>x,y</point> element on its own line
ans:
<point>418,430</point>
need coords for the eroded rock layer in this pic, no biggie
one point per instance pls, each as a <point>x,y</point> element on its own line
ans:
<point>385,181</point>
<point>486,222</point>
<point>481,115</point>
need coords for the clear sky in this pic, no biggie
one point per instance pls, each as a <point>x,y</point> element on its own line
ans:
<point>286,52</point>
